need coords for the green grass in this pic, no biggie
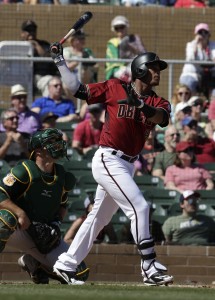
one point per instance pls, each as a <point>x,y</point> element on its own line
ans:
<point>107,291</point>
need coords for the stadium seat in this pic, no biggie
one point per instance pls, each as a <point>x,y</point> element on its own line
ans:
<point>78,168</point>
<point>161,200</point>
<point>148,182</point>
<point>87,182</point>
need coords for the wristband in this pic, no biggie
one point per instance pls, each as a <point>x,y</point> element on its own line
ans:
<point>58,59</point>
<point>141,104</point>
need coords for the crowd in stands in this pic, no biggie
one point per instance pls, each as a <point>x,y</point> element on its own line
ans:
<point>178,159</point>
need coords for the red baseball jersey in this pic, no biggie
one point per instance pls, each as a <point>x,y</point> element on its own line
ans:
<point>125,127</point>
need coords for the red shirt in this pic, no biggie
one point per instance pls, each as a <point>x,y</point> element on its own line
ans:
<point>205,151</point>
<point>86,135</point>
<point>125,127</point>
<point>189,3</point>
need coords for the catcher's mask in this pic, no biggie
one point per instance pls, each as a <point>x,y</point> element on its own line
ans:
<point>51,139</point>
<point>140,64</point>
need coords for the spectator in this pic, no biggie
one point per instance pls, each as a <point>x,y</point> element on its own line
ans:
<point>211,115</point>
<point>108,231</point>
<point>150,150</point>
<point>189,228</point>
<point>180,98</point>
<point>77,49</point>
<point>13,144</point>
<point>42,70</point>
<point>184,174</point>
<point>29,121</point>
<point>190,125</point>
<point>166,157</point>
<point>123,46</point>
<point>190,3</point>
<point>204,147</point>
<point>55,103</point>
<point>199,78</point>
<point>48,120</point>
<point>129,3</point>
<point>34,2</point>
<point>87,133</point>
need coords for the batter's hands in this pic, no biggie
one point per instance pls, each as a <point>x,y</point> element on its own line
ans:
<point>56,51</point>
<point>132,99</point>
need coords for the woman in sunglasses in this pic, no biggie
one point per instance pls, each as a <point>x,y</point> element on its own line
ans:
<point>200,78</point>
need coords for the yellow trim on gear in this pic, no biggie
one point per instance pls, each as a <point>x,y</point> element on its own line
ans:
<point>11,227</point>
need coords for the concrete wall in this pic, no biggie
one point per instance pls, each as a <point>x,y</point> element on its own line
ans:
<point>121,263</point>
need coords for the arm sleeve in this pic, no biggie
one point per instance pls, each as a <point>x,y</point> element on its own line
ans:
<point>68,77</point>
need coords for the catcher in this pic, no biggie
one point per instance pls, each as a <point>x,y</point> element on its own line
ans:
<point>33,202</point>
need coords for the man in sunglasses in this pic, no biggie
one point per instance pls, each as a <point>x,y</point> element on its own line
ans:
<point>55,103</point>
<point>13,144</point>
<point>199,78</point>
<point>189,228</point>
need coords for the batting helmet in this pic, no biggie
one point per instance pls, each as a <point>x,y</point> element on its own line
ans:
<point>51,139</point>
<point>139,66</point>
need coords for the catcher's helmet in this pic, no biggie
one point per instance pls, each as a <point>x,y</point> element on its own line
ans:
<point>51,139</point>
<point>139,66</point>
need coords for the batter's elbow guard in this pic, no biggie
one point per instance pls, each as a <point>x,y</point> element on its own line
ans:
<point>8,223</point>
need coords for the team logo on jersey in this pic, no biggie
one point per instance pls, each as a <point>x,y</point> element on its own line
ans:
<point>9,179</point>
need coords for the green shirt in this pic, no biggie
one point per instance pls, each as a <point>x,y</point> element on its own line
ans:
<point>185,230</point>
<point>39,194</point>
<point>163,160</point>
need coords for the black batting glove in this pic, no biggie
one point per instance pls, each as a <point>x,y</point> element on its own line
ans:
<point>132,99</point>
<point>56,51</point>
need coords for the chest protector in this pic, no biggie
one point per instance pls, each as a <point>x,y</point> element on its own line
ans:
<point>43,197</point>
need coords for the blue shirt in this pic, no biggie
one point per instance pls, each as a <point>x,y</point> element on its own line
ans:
<point>63,108</point>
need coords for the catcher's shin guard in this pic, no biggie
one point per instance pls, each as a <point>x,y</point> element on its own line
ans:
<point>152,270</point>
<point>8,223</point>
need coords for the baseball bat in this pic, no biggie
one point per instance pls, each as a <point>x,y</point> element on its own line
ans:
<point>76,26</point>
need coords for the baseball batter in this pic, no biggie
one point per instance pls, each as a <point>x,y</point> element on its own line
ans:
<point>126,128</point>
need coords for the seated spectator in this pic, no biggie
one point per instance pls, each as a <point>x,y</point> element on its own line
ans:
<point>48,120</point>
<point>211,115</point>
<point>77,49</point>
<point>42,70</point>
<point>190,125</point>
<point>199,78</point>
<point>146,160</point>
<point>185,174</point>
<point>29,121</point>
<point>189,228</point>
<point>55,103</point>
<point>204,147</point>
<point>123,46</point>
<point>13,144</point>
<point>190,3</point>
<point>108,230</point>
<point>166,157</point>
<point>181,115</point>
<point>87,133</point>
<point>180,98</point>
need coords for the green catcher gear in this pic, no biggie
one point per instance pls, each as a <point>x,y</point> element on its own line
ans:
<point>51,139</point>
<point>82,272</point>
<point>8,223</point>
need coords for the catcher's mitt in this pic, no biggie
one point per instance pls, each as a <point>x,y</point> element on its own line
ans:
<point>46,237</point>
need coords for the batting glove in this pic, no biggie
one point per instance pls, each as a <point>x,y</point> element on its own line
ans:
<point>56,51</point>
<point>132,99</point>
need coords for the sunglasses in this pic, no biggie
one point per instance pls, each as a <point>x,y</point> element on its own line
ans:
<point>57,84</point>
<point>121,27</point>
<point>12,118</point>
<point>20,97</point>
<point>174,134</point>
<point>183,93</point>
<point>202,31</point>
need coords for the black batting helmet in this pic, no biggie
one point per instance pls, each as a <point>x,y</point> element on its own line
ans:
<point>139,66</point>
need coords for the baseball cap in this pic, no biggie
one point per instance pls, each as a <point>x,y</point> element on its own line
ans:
<point>47,116</point>
<point>195,100</point>
<point>201,26</point>
<point>183,146</point>
<point>119,20</point>
<point>18,89</point>
<point>29,26</point>
<point>79,34</point>
<point>189,121</point>
<point>187,194</point>
<point>95,107</point>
